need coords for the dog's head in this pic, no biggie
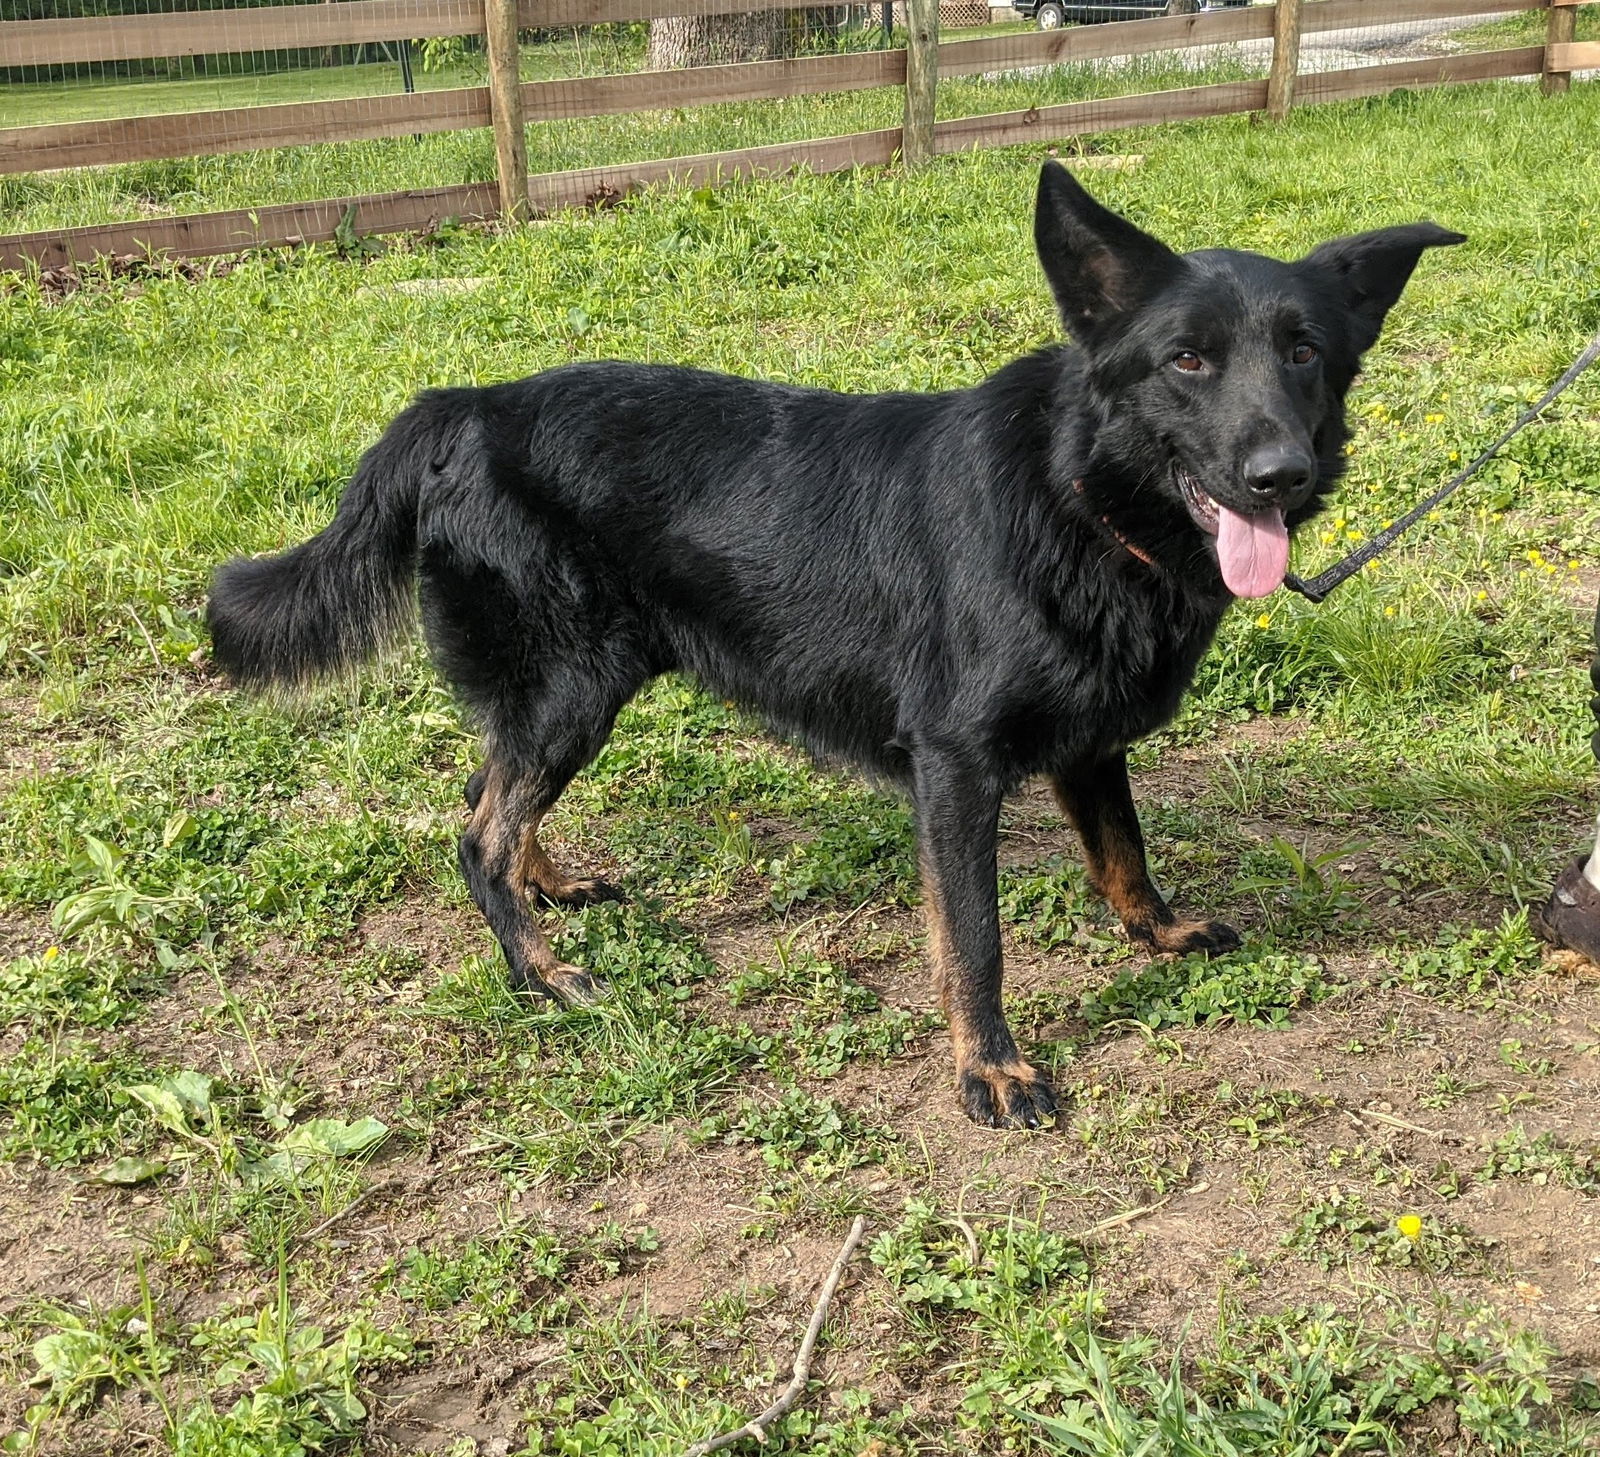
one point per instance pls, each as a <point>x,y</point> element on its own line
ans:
<point>1219,376</point>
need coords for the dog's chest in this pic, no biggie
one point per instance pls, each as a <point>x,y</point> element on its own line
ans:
<point>1120,677</point>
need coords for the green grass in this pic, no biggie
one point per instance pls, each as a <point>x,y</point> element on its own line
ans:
<point>1527,28</point>
<point>49,103</point>
<point>234,932</point>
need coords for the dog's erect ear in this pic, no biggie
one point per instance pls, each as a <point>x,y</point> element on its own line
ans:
<point>1372,269</point>
<point>1099,265</point>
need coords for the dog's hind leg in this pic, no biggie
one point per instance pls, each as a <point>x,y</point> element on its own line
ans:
<point>544,879</point>
<point>539,874</point>
<point>1098,800</point>
<point>957,825</point>
<point>498,851</point>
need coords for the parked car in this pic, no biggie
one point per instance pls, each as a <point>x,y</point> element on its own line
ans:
<point>1051,14</point>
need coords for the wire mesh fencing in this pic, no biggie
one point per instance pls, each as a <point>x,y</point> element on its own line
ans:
<point>142,113</point>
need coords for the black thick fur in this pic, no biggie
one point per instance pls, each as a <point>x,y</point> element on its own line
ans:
<point>955,591</point>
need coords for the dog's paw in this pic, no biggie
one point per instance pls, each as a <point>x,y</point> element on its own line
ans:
<point>1181,937</point>
<point>574,986</point>
<point>589,891</point>
<point>570,985</point>
<point>1009,1095</point>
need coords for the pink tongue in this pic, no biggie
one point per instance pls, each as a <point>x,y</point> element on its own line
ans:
<point>1253,550</point>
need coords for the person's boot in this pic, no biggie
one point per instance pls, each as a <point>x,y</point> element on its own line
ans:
<point>1571,917</point>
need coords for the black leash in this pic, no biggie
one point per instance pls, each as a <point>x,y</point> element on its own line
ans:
<point>1319,587</point>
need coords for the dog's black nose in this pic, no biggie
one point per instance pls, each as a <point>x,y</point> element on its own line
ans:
<point>1276,472</point>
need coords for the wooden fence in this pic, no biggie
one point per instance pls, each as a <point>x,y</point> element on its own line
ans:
<point>508,105</point>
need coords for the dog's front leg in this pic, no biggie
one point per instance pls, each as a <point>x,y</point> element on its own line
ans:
<point>957,823</point>
<point>1098,800</point>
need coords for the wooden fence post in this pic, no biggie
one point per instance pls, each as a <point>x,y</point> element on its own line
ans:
<point>1560,27</point>
<point>922,74</point>
<point>1285,58</point>
<point>505,103</point>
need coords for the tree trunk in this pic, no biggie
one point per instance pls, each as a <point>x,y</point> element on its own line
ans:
<point>717,40</point>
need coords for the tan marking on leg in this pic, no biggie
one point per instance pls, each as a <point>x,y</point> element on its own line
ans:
<point>535,868</point>
<point>938,939</point>
<point>486,821</point>
<point>1116,866</point>
<point>1013,1106</point>
<point>1117,870</point>
<point>538,874</point>
<point>508,848</point>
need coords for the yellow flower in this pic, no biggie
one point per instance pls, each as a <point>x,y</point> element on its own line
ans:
<point>1410,1226</point>
<point>1483,596</point>
<point>1265,620</point>
<point>1433,419</point>
<point>1572,566</point>
<point>1455,455</point>
<point>51,952</point>
<point>1536,556</point>
<point>1388,612</point>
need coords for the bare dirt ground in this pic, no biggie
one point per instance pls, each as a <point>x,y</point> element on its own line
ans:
<point>1186,1163</point>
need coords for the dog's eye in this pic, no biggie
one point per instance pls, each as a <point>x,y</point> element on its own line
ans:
<point>1188,362</point>
<point>1304,353</point>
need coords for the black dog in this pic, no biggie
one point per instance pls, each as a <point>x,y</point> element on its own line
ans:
<point>956,591</point>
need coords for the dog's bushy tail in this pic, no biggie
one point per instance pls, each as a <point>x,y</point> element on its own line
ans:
<point>336,600</point>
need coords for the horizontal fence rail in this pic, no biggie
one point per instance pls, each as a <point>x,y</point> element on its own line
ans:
<point>284,224</point>
<point>349,22</point>
<point>1414,75</point>
<point>250,128</point>
<point>1042,123</point>
<point>221,32</point>
<point>240,129</point>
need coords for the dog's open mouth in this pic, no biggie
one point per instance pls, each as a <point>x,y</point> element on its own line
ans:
<point>1204,510</point>
<point>1252,547</point>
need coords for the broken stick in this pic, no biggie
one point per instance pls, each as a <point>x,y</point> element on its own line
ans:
<point>757,1426</point>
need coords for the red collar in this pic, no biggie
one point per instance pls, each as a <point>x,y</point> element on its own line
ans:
<point>1105,521</point>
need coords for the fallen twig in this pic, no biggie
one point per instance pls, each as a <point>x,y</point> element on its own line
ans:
<point>975,1255</point>
<point>1083,1236</point>
<point>349,1209</point>
<point>757,1426</point>
<point>830,932</point>
<point>1090,1232</point>
<point>1394,1122</point>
